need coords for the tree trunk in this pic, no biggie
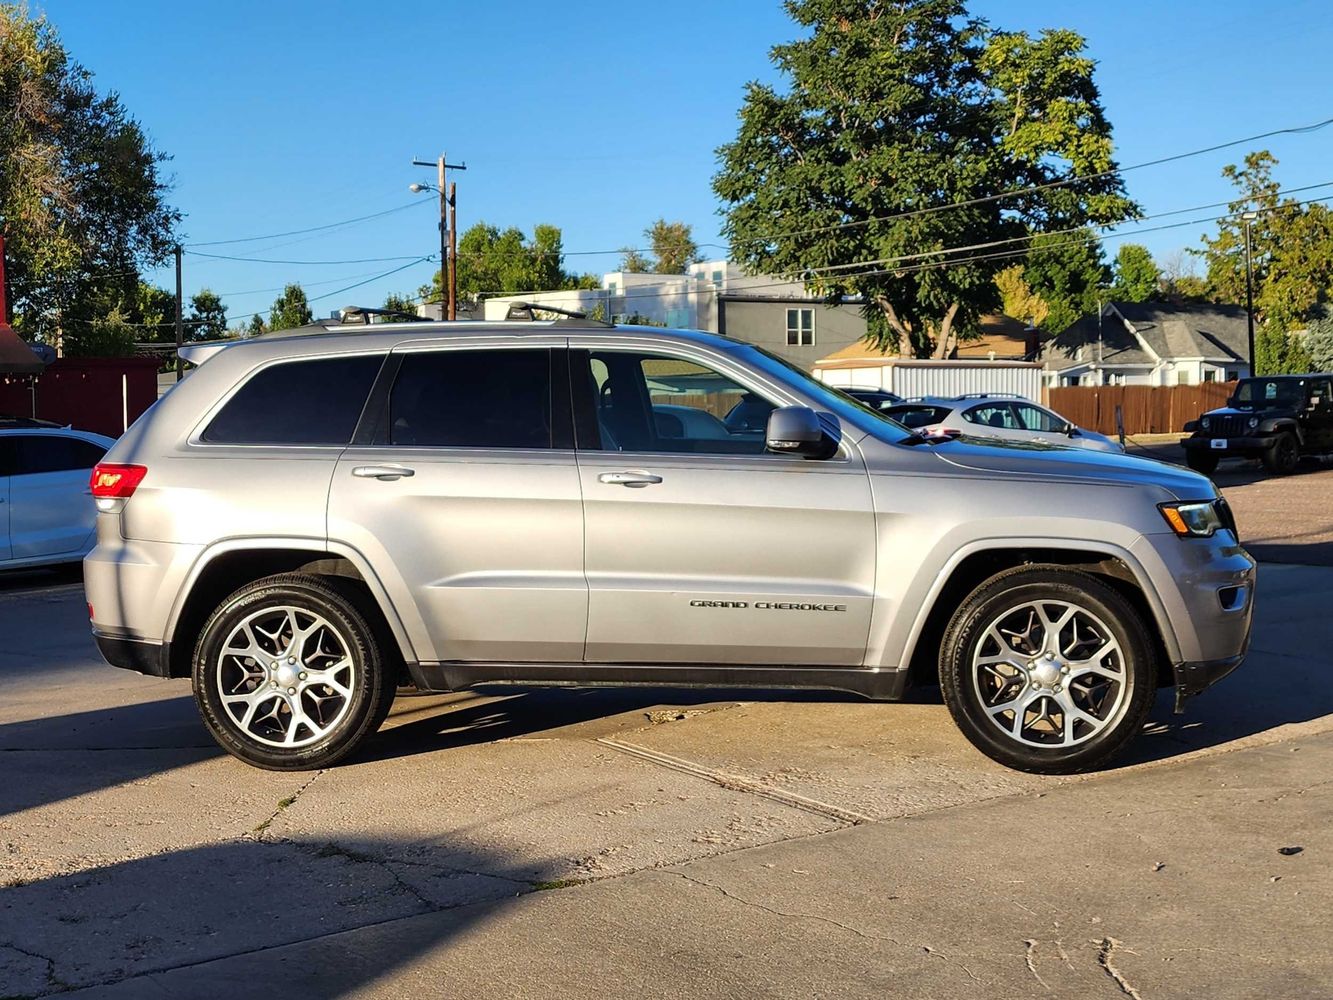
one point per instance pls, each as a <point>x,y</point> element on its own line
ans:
<point>947,339</point>
<point>903,330</point>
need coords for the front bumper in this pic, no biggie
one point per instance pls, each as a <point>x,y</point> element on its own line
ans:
<point>1192,678</point>
<point>151,658</point>
<point>1249,445</point>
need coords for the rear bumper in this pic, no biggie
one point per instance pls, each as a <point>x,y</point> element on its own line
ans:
<point>151,658</point>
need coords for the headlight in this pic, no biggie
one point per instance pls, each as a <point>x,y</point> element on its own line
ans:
<point>1196,519</point>
<point>1253,422</point>
<point>1207,424</point>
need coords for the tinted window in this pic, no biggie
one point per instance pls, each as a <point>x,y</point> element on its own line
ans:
<point>1034,418</point>
<point>917,416</point>
<point>50,453</point>
<point>473,399</point>
<point>298,402</point>
<point>647,402</point>
<point>993,415</point>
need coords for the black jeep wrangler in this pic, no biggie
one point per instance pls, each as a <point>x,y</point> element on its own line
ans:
<point>1275,418</point>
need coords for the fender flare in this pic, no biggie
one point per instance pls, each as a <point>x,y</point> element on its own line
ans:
<point>1108,549</point>
<point>316,547</point>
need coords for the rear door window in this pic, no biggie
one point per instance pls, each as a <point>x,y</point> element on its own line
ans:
<point>917,416</point>
<point>315,402</point>
<point>499,398</point>
<point>38,453</point>
<point>998,415</point>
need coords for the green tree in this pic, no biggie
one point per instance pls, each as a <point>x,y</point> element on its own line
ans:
<point>82,201</point>
<point>1136,274</point>
<point>208,317</point>
<point>635,261</point>
<point>1319,341</point>
<point>290,309</point>
<point>109,336</point>
<point>399,304</point>
<point>496,261</point>
<point>673,246</point>
<point>903,133</point>
<point>256,326</point>
<point>1065,270</point>
<point>1017,299</point>
<point>1277,352</point>
<point>1291,248</point>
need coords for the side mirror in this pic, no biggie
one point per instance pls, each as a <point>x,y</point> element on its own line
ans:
<point>796,430</point>
<point>1071,431</point>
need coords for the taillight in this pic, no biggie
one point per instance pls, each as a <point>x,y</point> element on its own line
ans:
<point>116,482</point>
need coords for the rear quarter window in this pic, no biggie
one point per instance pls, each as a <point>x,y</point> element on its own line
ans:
<point>314,402</point>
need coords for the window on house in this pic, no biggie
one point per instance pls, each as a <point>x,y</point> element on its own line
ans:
<point>717,278</point>
<point>1210,374</point>
<point>611,287</point>
<point>800,327</point>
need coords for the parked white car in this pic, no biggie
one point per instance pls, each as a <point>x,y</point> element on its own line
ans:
<point>1009,418</point>
<point>47,515</point>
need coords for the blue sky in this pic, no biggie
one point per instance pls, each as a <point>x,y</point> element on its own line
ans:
<point>596,117</point>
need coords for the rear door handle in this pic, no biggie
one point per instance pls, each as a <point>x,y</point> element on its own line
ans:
<point>629,478</point>
<point>384,473</point>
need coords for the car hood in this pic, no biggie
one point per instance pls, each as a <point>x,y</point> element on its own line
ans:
<point>1036,461</point>
<point>1240,411</point>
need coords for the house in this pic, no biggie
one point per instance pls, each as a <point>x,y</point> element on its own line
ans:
<point>717,297</point>
<point>1001,338</point>
<point>1151,343</point>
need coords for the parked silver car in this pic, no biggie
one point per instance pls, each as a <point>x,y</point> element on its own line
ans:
<point>313,517</point>
<point>45,516</point>
<point>1009,418</point>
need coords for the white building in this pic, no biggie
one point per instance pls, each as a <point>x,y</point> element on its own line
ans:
<point>715,296</point>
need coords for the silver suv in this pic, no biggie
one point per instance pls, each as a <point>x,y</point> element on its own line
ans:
<point>313,518</point>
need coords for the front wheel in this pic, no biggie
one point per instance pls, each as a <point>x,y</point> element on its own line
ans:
<point>288,675</point>
<point>1282,458</point>
<point>1046,669</point>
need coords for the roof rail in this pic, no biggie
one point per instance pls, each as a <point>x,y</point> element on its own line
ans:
<point>352,315</point>
<point>569,317</point>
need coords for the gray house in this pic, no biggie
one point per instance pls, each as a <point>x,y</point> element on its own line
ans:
<point>1151,343</point>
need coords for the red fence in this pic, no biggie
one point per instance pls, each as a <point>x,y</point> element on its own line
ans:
<point>1147,409</point>
<point>92,394</point>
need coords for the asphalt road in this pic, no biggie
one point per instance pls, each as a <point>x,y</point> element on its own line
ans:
<point>660,843</point>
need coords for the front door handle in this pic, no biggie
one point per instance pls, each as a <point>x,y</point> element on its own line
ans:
<point>635,479</point>
<point>384,473</point>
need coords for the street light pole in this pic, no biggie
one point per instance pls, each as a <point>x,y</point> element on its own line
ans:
<point>1249,217</point>
<point>448,307</point>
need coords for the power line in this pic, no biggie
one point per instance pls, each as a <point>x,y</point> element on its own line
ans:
<point>312,229</point>
<point>268,260</point>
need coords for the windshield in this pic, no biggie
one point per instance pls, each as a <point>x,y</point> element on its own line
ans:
<point>834,399</point>
<point>1277,392</point>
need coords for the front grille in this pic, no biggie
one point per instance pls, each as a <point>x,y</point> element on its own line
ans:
<point>1227,516</point>
<point>1229,425</point>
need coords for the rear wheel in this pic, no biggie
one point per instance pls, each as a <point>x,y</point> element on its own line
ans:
<point>288,674</point>
<point>1281,459</point>
<point>1047,670</point>
<point>1201,461</point>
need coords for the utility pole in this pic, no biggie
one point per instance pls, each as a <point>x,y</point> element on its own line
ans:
<point>453,251</point>
<point>1249,288</point>
<point>448,279</point>
<point>180,326</point>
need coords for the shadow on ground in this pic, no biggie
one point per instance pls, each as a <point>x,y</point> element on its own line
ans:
<point>175,913</point>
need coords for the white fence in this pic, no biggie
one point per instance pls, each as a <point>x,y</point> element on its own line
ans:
<point>913,377</point>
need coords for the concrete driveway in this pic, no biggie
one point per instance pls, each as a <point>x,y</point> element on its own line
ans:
<point>719,844</point>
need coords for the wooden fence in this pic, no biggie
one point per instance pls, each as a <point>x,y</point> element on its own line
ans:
<point>1147,409</point>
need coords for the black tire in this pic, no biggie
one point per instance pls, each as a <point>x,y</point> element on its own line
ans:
<point>1282,458</point>
<point>1201,461</point>
<point>1125,701</point>
<point>334,724</point>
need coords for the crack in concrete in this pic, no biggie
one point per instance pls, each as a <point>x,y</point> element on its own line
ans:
<point>52,979</point>
<point>867,935</point>
<point>284,804</point>
<point>330,850</point>
<point>1029,956</point>
<point>1108,946</point>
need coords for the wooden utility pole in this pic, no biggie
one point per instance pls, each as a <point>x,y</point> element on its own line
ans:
<point>180,325</point>
<point>453,251</point>
<point>448,238</point>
